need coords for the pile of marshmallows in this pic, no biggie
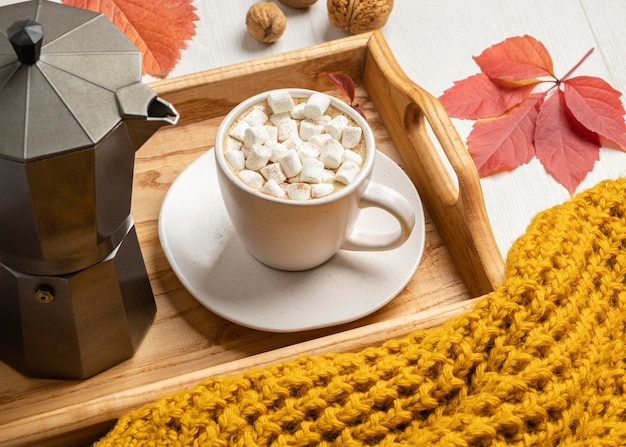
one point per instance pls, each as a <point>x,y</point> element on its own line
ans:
<point>296,152</point>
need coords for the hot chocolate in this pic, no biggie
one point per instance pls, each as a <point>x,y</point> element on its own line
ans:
<point>295,148</point>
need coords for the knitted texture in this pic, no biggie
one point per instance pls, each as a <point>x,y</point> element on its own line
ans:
<point>540,361</point>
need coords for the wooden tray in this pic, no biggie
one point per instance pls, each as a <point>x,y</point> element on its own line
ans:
<point>188,343</point>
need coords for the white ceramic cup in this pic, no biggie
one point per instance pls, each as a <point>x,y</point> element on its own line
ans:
<point>298,235</point>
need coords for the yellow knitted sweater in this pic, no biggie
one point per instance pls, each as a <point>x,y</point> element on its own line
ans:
<point>540,361</point>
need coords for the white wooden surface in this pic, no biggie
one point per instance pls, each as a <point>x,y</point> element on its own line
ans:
<point>434,41</point>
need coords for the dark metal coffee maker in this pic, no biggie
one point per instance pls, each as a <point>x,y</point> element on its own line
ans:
<point>75,298</point>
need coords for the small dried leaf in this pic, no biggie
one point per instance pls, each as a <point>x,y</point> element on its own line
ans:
<point>344,83</point>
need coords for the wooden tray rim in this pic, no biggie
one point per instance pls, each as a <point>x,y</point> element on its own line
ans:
<point>102,410</point>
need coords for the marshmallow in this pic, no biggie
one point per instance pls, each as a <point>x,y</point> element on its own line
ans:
<point>273,188</point>
<point>312,171</point>
<point>316,106</point>
<point>259,156</point>
<point>291,164</point>
<point>236,159</point>
<point>347,172</point>
<point>335,126</point>
<point>251,178</point>
<point>246,151</point>
<point>323,120</point>
<point>350,155</point>
<point>255,135</point>
<point>273,171</point>
<point>319,140</point>
<point>307,150</point>
<point>292,143</point>
<point>298,111</point>
<point>233,145</point>
<point>351,136</point>
<point>272,133</point>
<point>332,154</point>
<point>280,101</point>
<point>321,190</point>
<point>278,150</point>
<point>239,130</point>
<point>310,128</point>
<point>276,118</point>
<point>255,117</point>
<point>328,175</point>
<point>287,129</point>
<point>299,191</point>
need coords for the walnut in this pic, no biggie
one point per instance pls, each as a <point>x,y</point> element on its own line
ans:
<point>298,3</point>
<point>266,22</point>
<point>359,16</point>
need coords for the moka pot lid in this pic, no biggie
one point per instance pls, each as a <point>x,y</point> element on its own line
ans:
<point>61,69</point>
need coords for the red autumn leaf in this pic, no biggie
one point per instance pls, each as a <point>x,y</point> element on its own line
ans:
<point>158,28</point>
<point>565,154</point>
<point>596,105</point>
<point>582,113</point>
<point>505,143</point>
<point>516,61</point>
<point>478,97</point>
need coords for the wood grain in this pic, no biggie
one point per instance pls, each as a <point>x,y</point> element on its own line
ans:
<point>458,210</point>
<point>187,342</point>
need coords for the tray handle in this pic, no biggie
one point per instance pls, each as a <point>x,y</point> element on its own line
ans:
<point>458,212</point>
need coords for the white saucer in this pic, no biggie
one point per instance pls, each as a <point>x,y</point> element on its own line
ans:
<point>211,262</point>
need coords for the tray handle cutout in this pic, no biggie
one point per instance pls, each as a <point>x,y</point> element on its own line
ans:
<point>455,205</point>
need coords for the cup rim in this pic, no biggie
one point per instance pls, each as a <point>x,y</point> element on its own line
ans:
<point>229,119</point>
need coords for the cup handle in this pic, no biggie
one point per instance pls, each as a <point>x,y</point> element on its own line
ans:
<point>390,200</point>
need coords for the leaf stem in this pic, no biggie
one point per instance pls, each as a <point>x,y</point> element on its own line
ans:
<point>569,73</point>
<point>555,86</point>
